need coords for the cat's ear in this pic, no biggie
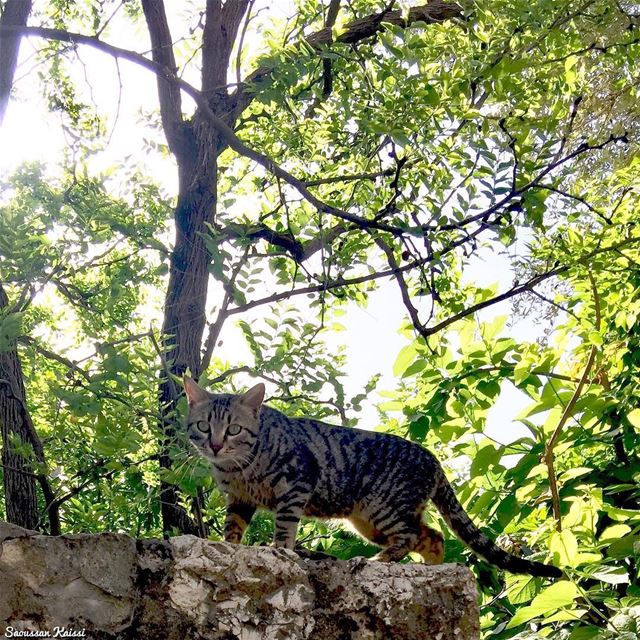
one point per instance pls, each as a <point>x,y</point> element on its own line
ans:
<point>254,397</point>
<point>195,393</point>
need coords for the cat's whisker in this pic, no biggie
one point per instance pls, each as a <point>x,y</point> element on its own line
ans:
<point>247,468</point>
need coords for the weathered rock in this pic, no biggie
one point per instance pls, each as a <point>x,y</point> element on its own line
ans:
<point>110,587</point>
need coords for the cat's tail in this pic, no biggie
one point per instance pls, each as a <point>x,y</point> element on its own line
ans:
<point>456,517</point>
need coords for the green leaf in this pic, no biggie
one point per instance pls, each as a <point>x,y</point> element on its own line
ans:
<point>569,70</point>
<point>555,597</point>
<point>430,95</point>
<point>521,371</point>
<point>400,138</point>
<point>564,546</point>
<point>418,428</point>
<point>587,633</point>
<point>626,547</point>
<point>481,503</point>
<point>486,457</point>
<point>570,474</point>
<point>10,329</point>
<point>614,532</point>
<point>405,357</point>
<point>417,366</point>
<point>634,418</point>
<point>491,329</point>
<point>489,388</point>
<point>566,615</point>
<point>595,338</point>
<point>507,510</point>
<point>610,575</point>
<point>521,589</point>
<point>622,514</point>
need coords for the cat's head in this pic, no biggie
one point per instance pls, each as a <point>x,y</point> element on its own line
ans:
<point>223,427</point>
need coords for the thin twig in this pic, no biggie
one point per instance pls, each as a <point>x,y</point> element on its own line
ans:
<point>243,33</point>
<point>216,327</point>
<point>566,414</point>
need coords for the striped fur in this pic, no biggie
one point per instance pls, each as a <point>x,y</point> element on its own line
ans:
<point>302,467</point>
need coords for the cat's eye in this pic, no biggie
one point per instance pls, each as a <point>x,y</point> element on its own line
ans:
<point>202,426</point>
<point>234,429</point>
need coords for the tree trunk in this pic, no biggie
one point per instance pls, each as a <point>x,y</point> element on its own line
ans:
<point>20,480</point>
<point>185,302</point>
<point>195,145</point>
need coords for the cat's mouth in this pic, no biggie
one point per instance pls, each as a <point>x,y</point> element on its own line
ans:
<point>216,453</point>
<point>224,462</point>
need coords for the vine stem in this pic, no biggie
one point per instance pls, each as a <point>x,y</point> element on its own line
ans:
<point>549,455</point>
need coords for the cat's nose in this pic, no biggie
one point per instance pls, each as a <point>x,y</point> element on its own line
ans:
<point>215,447</point>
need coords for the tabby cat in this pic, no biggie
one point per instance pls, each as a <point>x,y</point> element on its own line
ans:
<point>299,467</point>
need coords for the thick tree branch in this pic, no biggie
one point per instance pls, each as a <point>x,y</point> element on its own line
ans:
<point>261,231</point>
<point>299,251</point>
<point>61,35</point>
<point>221,26</point>
<point>327,71</point>
<point>162,52</point>
<point>434,12</point>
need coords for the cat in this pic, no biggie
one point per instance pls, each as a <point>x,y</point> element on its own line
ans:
<point>299,467</point>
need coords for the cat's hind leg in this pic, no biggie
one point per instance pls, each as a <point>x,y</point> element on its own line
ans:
<point>368,531</point>
<point>430,545</point>
<point>400,536</point>
<point>401,544</point>
<point>410,534</point>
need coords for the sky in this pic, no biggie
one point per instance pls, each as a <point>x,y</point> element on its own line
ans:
<point>371,338</point>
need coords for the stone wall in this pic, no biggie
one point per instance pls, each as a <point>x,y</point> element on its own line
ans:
<point>111,586</point>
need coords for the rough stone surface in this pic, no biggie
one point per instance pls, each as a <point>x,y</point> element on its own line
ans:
<point>110,586</point>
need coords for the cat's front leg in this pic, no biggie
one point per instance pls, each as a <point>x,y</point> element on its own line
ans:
<point>289,509</point>
<point>238,518</point>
